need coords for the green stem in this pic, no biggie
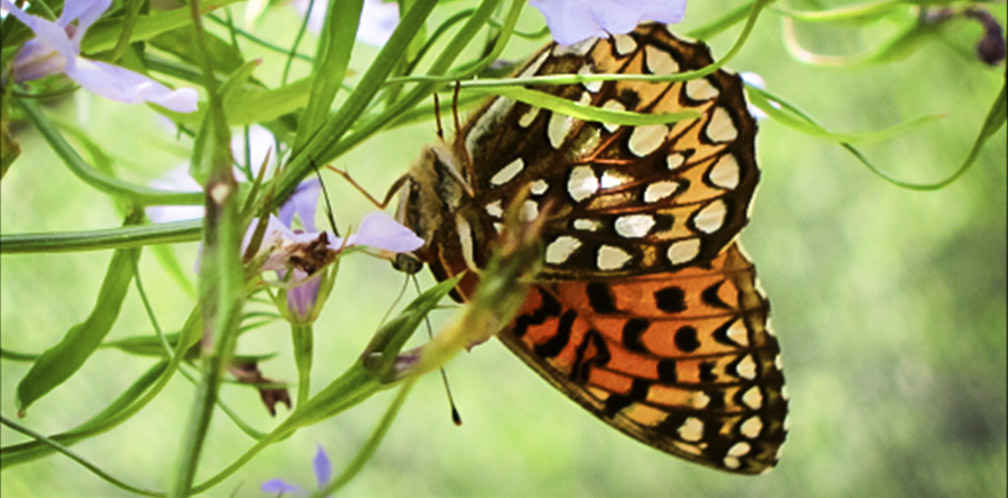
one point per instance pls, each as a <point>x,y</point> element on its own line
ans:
<point>302,336</point>
<point>73,456</point>
<point>105,238</point>
<point>134,194</point>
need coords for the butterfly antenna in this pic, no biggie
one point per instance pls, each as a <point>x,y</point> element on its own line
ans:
<point>437,116</point>
<point>456,418</point>
<point>325,195</point>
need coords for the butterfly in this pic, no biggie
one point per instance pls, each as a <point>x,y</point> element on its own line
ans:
<point>647,311</point>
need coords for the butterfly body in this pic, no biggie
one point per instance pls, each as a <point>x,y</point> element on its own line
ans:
<point>646,312</point>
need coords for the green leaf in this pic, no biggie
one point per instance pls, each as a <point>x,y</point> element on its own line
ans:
<point>330,68</point>
<point>381,352</point>
<point>100,239</point>
<point>786,114</point>
<point>104,420</point>
<point>92,176</point>
<point>59,362</point>
<point>591,113</point>
<point>224,57</point>
<point>105,33</point>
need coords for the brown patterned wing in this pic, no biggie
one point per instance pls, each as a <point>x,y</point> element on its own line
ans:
<point>626,200</point>
<point>683,361</point>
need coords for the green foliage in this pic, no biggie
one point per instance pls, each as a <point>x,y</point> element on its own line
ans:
<point>889,302</point>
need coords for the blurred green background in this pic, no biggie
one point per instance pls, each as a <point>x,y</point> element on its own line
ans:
<point>890,306</point>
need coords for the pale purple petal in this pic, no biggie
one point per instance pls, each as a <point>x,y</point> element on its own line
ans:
<point>316,18</point>
<point>378,20</point>
<point>261,144</point>
<point>571,21</point>
<point>380,231</point>
<point>117,83</point>
<point>303,202</point>
<point>323,469</point>
<point>754,79</point>
<point>85,12</point>
<point>279,486</point>
<point>301,297</point>
<point>176,179</point>
<point>45,54</point>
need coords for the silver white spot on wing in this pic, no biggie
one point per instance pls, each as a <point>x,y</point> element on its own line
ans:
<point>486,121</point>
<point>683,251</point>
<point>634,225</point>
<point>725,172</point>
<point>612,258</point>
<point>582,183</point>
<point>591,86</point>
<point>587,225</point>
<point>721,128</point>
<point>738,333</point>
<point>746,367</point>
<point>612,105</point>
<point>659,61</point>
<point>561,248</point>
<point>674,160</point>
<point>738,449</point>
<point>559,125</point>
<point>529,211</point>
<point>612,178</point>
<point>528,117</point>
<point>508,172</point>
<point>701,89</point>
<point>539,187</point>
<point>751,427</point>
<point>495,208</point>
<point>660,190</point>
<point>465,240</point>
<point>753,398</point>
<point>646,139</point>
<point>624,44</point>
<point>579,49</point>
<point>711,217</point>
<point>691,429</point>
<point>700,400</point>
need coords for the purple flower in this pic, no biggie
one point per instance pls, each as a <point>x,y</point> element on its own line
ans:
<point>571,21</point>
<point>323,474</point>
<point>56,49</point>
<point>305,252</point>
<point>378,19</point>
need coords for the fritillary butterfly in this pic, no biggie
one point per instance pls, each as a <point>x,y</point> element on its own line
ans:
<point>647,312</point>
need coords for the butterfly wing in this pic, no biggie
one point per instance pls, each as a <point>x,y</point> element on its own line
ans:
<point>684,361</point>
<point>624,200</point>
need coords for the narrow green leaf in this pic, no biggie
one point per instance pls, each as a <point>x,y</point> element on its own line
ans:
<point>105,33</point>
<point>92,176</point>
<point>362,456</point>
<point>331,62</point>
<point>102,421</point>
<point>224,57</point>
<point>783,114</point>
<point>79,459</point>
<point>59,362</point>
<point>101,239</point>
<point>591,113</point>
<point>318,149</point>
<point>381,352</point>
